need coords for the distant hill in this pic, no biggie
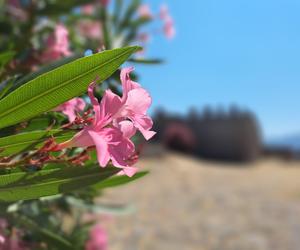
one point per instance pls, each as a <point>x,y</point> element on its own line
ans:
<point>290,141</point>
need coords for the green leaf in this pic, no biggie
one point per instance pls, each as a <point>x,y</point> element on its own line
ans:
<point>53,239</point>
<point>146,61</point>
<point>130,11</point>
<point>6,27</point>
<point>25,186</point>
<point>117,11</point>
<point>57,8</point>
<point>59,85</point>
<point>134,27</point>
<point>27,141</point>
<point>5,57</point>
<point>106,29</point>
<point>119,180</point>
<point>135,24</point>
<point>41,122</point>
<point>44,69</point>
<point>6,86</point>
<point>99,208</point>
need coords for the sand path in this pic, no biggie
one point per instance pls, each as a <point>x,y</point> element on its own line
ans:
<point>189,204</point>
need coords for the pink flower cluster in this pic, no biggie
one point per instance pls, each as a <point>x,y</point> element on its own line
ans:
<point>169,28</point>
<point>144,11</point>
<point>87,9</point>
<point>71,107</point>
<point>90,29</point>
<point>93,29</point>
<point>57,44</point>
<point>97,239</point>
<point>12,241</point>
<point>116,119</point>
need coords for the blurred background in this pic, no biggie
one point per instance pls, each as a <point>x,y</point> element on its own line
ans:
<point>225,162</point>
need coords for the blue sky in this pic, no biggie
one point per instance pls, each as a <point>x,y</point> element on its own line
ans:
<point>231,52</point>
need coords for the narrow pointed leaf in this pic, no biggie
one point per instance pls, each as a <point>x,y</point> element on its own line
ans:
<point>117,11</point>
<point>31,140</point>
<point>99,208</point>
<point>5,87</point>
<point>5,57</point>
<point>44,233</point>
<point>132,8</point>
<point>59,85</point>
<point>44,69</point>
<point>25,186</point>
<point>119,180</point>
<point>146,61</point>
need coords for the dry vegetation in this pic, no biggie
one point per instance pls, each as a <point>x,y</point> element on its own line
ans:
<point>190,204</point>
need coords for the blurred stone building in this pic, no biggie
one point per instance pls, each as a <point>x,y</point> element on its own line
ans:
<point>233,135</point>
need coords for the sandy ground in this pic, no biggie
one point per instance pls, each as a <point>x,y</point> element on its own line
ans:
<point>190,204</point>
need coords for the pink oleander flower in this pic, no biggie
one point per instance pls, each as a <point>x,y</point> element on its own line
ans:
<point>87,9</point>
<point>135,104</point>
<point>71,107</point>
<point>90,29</point>
<point>164,12</point>
<point>144,37</point>
<point>13,243</point>
<point>169,28</point>
<point>145,11</point>
<point>112,143</point>
<point>3,225</point>
<point>168,22</point>
<point>57,44</point>
<point>115,121</point>
<point>98,239</point>
<point>13,240</point>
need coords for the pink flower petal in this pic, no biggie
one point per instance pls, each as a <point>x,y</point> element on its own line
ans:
<point>169,28</point>
<point>145,11</point>
<point>110,105</point>
<point>129,171</point>
<point>164,12</point>
<point>127,84</point>
<point>79,104</point>
<point>138,101</point>
<point>122,152</point>
<point>94,101</point>
<point>70,108</point>
<point>127,128</point>
<point>103,155</point>
<point>144,124</point>
<point>57,44</point>
<point>98,239</point>
<point>82,139</point>
<point>2,239</point>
